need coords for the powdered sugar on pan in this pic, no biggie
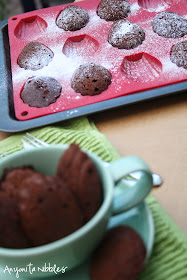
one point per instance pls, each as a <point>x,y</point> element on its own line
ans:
<point>61,66</point>
<point>160,8</point>
<point>134,8</point>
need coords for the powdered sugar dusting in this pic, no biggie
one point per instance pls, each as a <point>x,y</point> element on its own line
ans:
<point>160,8</point>
<point>94,19</point>
<point>135,8</point>
<point>60,66</point>
<point>124,27</point>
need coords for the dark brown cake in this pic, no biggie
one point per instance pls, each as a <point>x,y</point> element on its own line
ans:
<point>72,18</point>
<point>91,79</point>
<point>12,179</point>
<point>11,232</point>
<point>112,10</point>
<point>178,54</point>
<point>35,56</point>
<point>40,91</point>
<point>81,177</point>
<point>121,255</point>
<point>169,25</point>
<point>48,210</point>
<point>125,34</point>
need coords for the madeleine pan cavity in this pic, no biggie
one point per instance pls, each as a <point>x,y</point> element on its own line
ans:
<point>30,28</point>
<point>82,46</point>
<point>157,5</point>
<point>141,67</point>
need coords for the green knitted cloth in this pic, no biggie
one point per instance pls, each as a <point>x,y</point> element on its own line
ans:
<point>169,257</point>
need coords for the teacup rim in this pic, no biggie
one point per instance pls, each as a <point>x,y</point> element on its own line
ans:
<point>73,236</point>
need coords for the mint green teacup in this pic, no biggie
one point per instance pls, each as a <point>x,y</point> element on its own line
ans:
<point>69,252</point>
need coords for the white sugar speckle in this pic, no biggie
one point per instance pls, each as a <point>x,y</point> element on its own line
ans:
<point>134,8</point>
<point>124,28</point>
<point>161,8</point>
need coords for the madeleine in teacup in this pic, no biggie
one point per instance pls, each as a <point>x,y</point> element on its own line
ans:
<point>37,209</point>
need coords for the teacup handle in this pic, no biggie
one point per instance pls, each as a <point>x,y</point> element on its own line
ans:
<point>127,196</point>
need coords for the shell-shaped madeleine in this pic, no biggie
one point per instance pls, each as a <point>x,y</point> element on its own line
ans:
<point>178,54</point>
<point>72,18</point>
<point>112,10</point>
<point>35,56</point>
<point>125,34</point>
<point>40,91</point>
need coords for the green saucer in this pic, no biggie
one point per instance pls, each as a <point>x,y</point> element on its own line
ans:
<point>139,218</point>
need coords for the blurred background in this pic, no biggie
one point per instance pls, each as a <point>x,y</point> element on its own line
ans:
<point>10,8</point>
